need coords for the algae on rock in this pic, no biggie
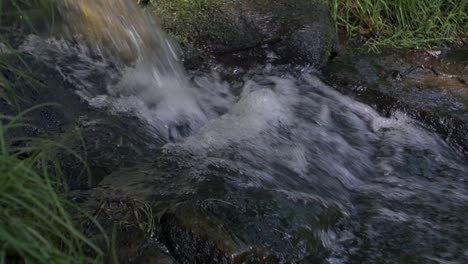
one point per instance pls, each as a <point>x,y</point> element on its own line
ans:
<point>301,29</point>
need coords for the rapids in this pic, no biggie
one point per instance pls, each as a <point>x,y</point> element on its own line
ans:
<point>285,162</point>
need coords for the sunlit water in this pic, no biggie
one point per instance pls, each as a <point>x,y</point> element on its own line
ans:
<point>288,163</point>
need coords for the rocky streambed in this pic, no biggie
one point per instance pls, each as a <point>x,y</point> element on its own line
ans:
<point>270,152</point>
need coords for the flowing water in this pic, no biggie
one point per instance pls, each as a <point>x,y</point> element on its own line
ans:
<point>284,162</point>
<point>115,40</point>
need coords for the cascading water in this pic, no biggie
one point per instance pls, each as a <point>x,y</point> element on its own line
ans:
<point>287,165</point>
<point>117,39</point>
<point>296,162</point>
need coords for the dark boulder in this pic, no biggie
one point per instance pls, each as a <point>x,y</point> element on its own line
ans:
<point>302,29</point>
<point>102,141</point>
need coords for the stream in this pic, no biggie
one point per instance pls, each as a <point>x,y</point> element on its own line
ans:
<point>268,162</point>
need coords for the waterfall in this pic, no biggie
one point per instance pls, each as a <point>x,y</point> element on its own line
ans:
<point>141,63</point>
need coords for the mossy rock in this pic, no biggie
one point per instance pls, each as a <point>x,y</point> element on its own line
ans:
<point>301,29</point>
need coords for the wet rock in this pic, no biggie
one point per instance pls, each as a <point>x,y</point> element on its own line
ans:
<point>211,232</point>
<point>217,221</point>
<point>189,247</point>
<point>127,220</point>
<point>301,30</point>
<point>438,102</point>
<point>204,239</point>
<point>201,216</point>
<point>44,90</point>
<point>136,247</point>
<point>104,142</point>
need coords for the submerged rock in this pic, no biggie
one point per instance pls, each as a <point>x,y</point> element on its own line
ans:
<point>301,30</point>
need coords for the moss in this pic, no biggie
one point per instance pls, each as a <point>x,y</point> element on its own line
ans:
<point>193,21</point>
<point>401,23</point>
<point>225,26</point>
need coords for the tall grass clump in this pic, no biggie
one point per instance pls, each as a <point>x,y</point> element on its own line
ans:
<point>35,223</point>
<point>403,23</point>
<point>35,226</point>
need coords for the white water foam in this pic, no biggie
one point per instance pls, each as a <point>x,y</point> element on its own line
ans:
<point>119,59</point>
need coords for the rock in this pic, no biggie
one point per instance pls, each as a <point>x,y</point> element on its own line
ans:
<point>42,90</point>
<point>200,216</point>
<point>127,220</point>
<point>212,220</point>
<point>201,238</point>
<point>106,142</point>
<point>301,29</point>
<point>103,141</point>
<point>371,79</point>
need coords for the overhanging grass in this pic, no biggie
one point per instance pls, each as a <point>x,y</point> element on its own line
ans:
<point>27,13</point>
<point>35,226</point>
<point>403,23</point>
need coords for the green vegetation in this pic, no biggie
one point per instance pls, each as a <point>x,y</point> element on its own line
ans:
<point>35,226</point>
<point>35,221</point>
<point>30,13</point>
<point>380,23</point>
<point>403,23</point>
<point>192,21</point>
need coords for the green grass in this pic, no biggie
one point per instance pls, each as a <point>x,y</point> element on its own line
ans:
<point>27,13</point>
<point>403,23</point>
<point>382,23</point>
<point>35,226</point>
<point>35,221</point>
